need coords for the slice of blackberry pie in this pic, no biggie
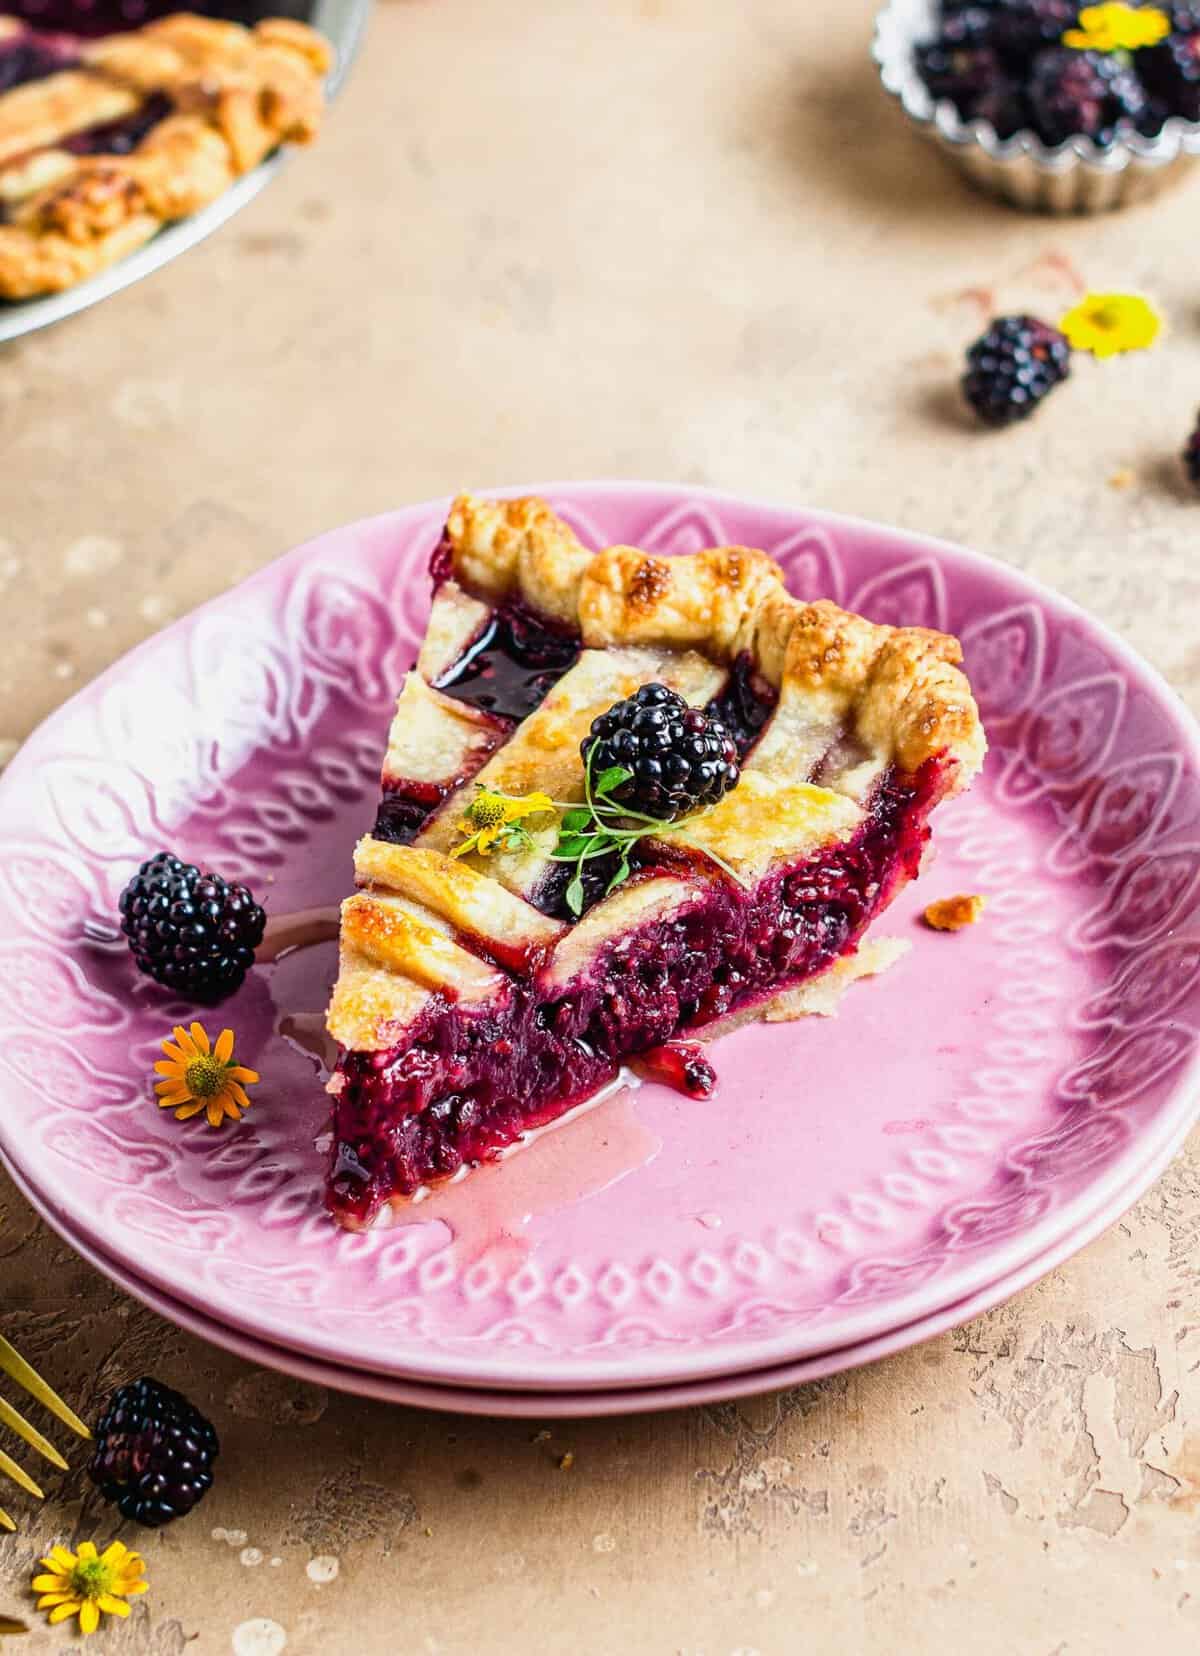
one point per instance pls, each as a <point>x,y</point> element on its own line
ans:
<point>626,799</point>
<point>103,141</point>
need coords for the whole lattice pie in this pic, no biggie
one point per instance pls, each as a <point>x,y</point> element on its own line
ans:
<point>494,973</point>
<point>102,142</point>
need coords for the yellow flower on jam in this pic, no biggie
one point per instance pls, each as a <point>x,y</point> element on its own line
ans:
<point>495,819</point>
<point>89,1584</point>
<point>1107,323</point>
<point>1116,27</point>
<point>200,1075</point>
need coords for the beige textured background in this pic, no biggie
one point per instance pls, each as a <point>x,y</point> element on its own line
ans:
<point>683,239</point>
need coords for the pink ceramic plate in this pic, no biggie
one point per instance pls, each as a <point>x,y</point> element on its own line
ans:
<point>543,1405</point>
<point>968,1113</point>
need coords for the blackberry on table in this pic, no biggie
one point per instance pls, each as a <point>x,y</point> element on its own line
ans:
<point>681,759</point>
<point>189,930</point>
<point>1191,455</point>
<point>1012,367</point>
<point>1086,94</point>
<point>154,1453</point>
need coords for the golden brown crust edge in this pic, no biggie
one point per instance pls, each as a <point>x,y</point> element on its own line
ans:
<point>900,690</point>
<point>238,94</point>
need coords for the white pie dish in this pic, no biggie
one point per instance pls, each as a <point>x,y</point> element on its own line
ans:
<point>342,22</point>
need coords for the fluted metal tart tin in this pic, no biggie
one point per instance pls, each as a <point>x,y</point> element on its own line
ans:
<point>341,22</point>
<point>1076,177</point>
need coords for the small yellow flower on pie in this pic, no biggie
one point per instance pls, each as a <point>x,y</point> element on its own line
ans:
<point>202,1076</point>
<point>1116,27</point>
<point>1108,323</point>
<point>494,817</point>
<point>89,1584</point>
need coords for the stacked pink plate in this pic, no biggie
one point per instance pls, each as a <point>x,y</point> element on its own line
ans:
<point>854,1185</point>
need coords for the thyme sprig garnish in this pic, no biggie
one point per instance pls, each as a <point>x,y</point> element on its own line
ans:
<point>602,826</point>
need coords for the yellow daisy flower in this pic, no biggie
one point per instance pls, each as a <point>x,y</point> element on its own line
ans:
<point>1117,27</point>
<point>493,818</point>
<point>89,1584</point>
<point>1108,323</point>
<point>202,1076</point>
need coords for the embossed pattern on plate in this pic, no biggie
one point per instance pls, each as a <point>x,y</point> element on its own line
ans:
<point>963,1115</point>
<point>561,1404</point>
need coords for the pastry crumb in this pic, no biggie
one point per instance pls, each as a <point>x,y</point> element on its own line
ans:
<point>953,913</point>
<point>1123,478</point>
<point>566,1462</point>
<point>540,1437</point>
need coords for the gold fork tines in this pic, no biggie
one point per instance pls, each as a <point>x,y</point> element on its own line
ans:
<point>19,1476</point>
<point>17,1423</point>
<point>15,1366</point>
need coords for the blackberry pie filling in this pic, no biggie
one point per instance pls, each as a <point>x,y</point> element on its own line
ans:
<point>625,799</point>
<point>25,56</point>
<point>123,136</point>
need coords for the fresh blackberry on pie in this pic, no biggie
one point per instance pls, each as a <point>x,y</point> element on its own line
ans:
<point>1013,367</point>
<point>103,141</point>
<point>190,931</point>
<point>679,758</point>
<point>477,997</point>
<point>1084,94</point>
<point>154,1454</point>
